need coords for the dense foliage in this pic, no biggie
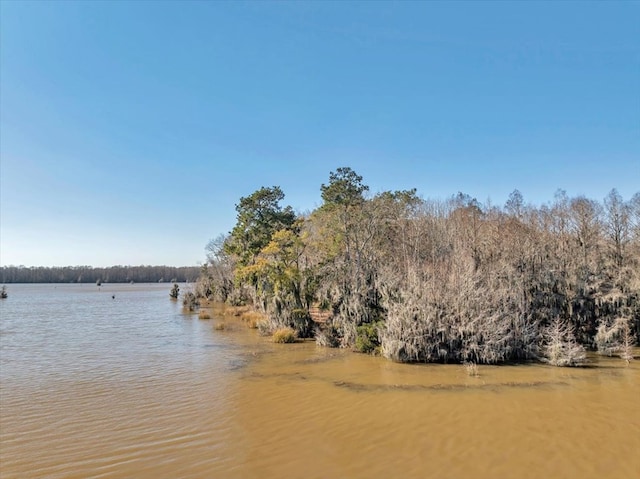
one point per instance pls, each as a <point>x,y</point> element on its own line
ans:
<point>88,274</point>
<point>426,280</point>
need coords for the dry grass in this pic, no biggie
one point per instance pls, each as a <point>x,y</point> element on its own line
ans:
<point>220,326</point>
<point>253,318</point>
<point>284,335</point>
<point>237,310</point>
<point>204,315</point>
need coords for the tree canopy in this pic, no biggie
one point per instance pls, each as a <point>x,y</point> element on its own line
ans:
<point>345,188</point>
<point>259,216</point>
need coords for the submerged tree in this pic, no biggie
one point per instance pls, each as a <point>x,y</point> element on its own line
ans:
<point>175,291</point>
<point>616,337</point>
<point>560,346</point>
<point>627,342</point>
<point>190,301</point>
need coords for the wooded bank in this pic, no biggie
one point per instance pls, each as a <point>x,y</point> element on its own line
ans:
<point>449,280</point>
<point>88,274</point>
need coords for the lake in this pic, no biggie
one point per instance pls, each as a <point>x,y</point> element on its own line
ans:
<point>118,381</point>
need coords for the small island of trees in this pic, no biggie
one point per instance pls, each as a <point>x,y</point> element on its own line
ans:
<point>420,280</point>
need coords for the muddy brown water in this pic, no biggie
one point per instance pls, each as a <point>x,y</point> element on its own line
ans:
<point>132,387</point>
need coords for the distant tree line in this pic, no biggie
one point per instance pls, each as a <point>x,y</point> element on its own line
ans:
<point>88,274</point>
<point>426,280</point>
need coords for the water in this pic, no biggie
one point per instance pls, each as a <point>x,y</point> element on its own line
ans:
<point>96,387</point>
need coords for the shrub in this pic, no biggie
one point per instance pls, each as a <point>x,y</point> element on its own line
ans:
<point>190,301</point>
<point>237,310</point>
<point>284,335</point>
<point>204,315</point>
<point>175,291</point>
<point>220,326</point>
<point>367,340</point>
<point>253,318</point>
<point>302,323</point>
<point>265,328</point>
<point>561,348</point>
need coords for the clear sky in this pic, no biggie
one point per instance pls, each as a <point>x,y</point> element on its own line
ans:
<point>129,130</point>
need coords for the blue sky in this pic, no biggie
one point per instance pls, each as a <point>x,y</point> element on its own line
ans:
<point>129,130</point>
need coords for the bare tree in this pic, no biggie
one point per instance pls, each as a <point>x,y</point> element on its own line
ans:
<point>616,337</point>
<point>515,204</point>
<point>585,225</point>
<point>560,346</point>
<point>617,225</point>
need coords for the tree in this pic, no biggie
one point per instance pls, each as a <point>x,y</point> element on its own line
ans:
<point>616,337</point>
<point>345,188</point>
<point>560,346</point>
<point>634,215</point>
<point>216,280</point>
<point>281,285</point>
<point>216,248</point>
<point>617,224</point>
<point>627,341</point>
<point>347,275</point>
<point>468,222</point>
<point>515,204</point>
<point>585,225</point>
<point>259,217</point>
